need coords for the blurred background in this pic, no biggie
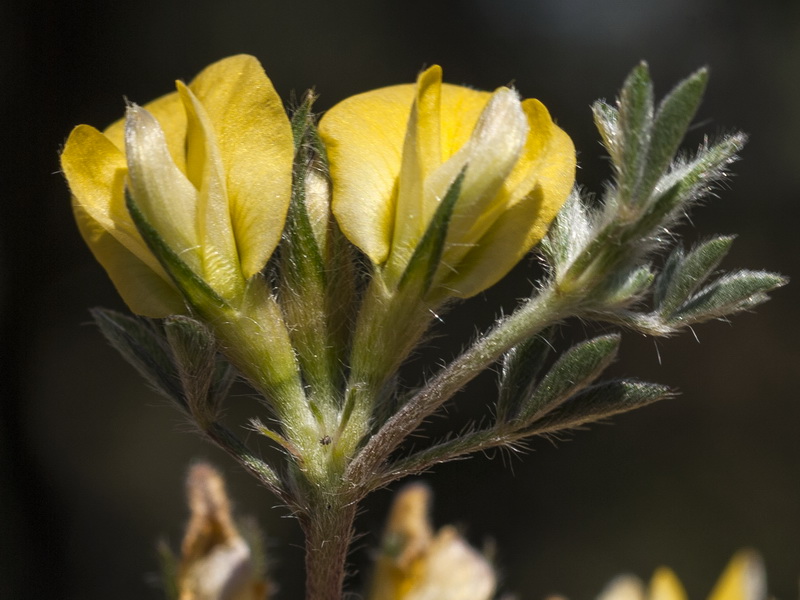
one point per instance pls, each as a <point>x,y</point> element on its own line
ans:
<point>92,463</point>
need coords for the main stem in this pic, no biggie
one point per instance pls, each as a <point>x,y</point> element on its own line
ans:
<point>328,530</point>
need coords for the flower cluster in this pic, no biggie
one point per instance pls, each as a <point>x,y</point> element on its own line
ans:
<point>209,167</point>
<point>312,258</point>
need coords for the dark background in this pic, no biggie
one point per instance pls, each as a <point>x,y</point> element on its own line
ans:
<point>92,463</point>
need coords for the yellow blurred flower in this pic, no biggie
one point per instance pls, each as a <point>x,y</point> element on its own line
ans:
<point>743,579</point>
<point>416,564</point>
<point>216,562</point>
<point>209,167</point>
<point>395,152</point>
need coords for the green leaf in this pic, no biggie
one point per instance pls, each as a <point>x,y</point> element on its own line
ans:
<point>691,180</point>
<point>196,291</point>
<point>729,294</point>
<point>428,253</point>
<point>667,272</point>
<point>520,369</point>
<point>606,119</point>
<point>577,368</point>
<point>142,344</point>
<point>635,123</point>
<point>626,287</point>
<point>672,119</point>
<point>692,272</point>
<point>602,401</point>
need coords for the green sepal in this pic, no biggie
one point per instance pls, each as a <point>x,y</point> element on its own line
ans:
<point>317,274</point>
<point>196,291</point>
<point>686,274</point>
<point>142,343</point>
<point>205,376</point>
<point>305,258</point>
<point>731,293</point>
<point>273,435</point>
<point>519,373</point>
<point>601,401</point>
<point>427,255</point>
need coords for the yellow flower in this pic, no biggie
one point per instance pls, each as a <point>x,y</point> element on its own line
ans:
<point>208,166</point>
<point>396,151</point>
<point>743,579</point>
<point>416,564</point>
<point>216,561</point>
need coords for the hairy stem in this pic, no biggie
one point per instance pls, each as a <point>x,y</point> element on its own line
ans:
<point>539,312</point>
<point>328,529</point>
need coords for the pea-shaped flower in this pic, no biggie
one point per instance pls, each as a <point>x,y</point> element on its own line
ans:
<point>397,154</point>
<point>208,167</point>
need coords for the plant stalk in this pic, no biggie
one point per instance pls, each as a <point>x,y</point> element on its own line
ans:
<point>328,529</point>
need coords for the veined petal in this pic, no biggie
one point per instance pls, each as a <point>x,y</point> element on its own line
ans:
<point>489,156</point>
<point>219,258</point>
<point>461,109</point>
<point>500,248</point>
<point>548,162</point>
<point>512,155</point>
<point>163,193</point>
<point>364,138</point>
<point>146,291</point>
<point>96,170</point>
<point>530,198</point>
<point>168,111</point>
<point>422,154</point>
<point>256,147</point>
<point>665,585</point>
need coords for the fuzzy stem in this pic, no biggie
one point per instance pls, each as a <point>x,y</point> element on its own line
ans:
<point>328,529</point>
<point>541,311</point>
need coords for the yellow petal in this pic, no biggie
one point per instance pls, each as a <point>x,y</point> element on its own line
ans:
<point>216,561</point>
<point>461,109</point>
<point>168,111</point>
<point>421,156</point>
<point>453,570</point>
<point>389,180</point>
<point>162,192</point>
<point>255,141</point>
<point>531,196</point>
<point>503,245</point>
<point>95,169</point>
<point>364,137</point>
<point>665,585</point>
<point>489,156</point>
<point>548,162</point>
<point>416,565</point>
<point>145,291</point>
<point>219,258</point>
<point>744,579</point>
